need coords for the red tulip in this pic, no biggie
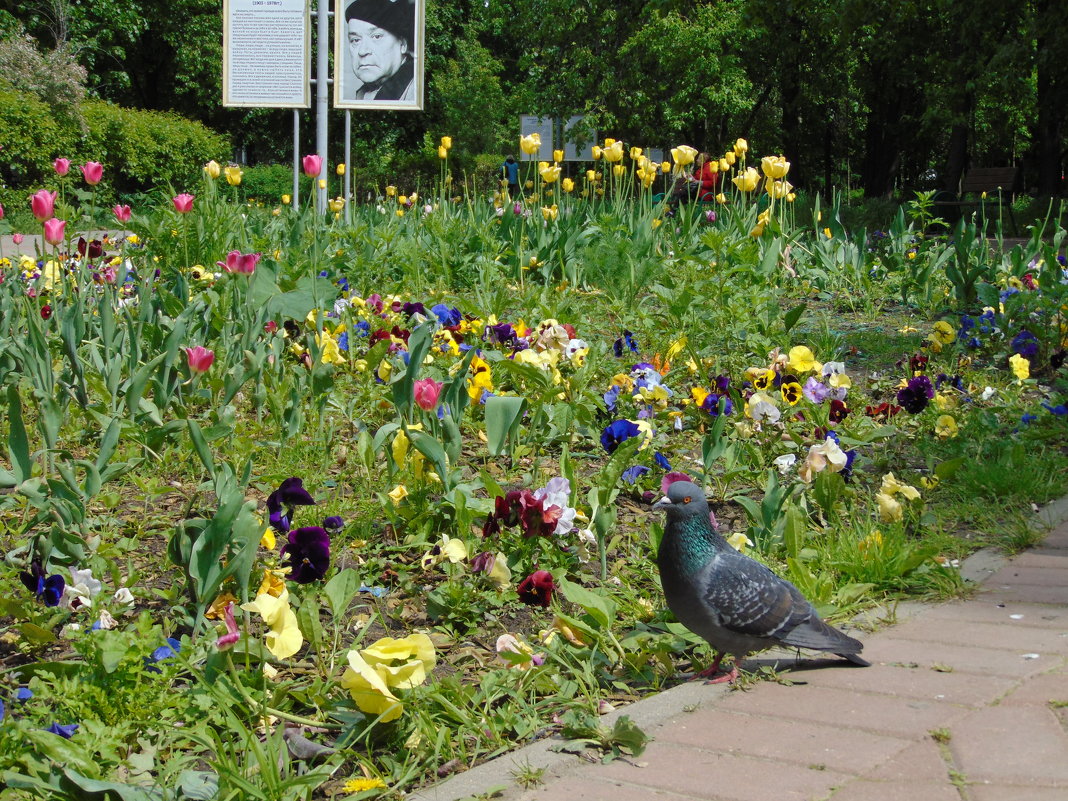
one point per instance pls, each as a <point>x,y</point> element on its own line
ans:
<point>427,391</point>
<point>313,165</point>
<point>183,203</point>
<point>43,204</point>
<point>53,231</point>
<point>61,166</point>
<point>93,171</point>
<point>122,213</point>
<point>238,262</point>
<point>16,238</point>
<point>200,358</point>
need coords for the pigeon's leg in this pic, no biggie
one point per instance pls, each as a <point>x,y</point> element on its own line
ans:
<point>709,672</point>
<point>727,677</point>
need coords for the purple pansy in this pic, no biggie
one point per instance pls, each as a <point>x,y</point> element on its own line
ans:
<point>307,554</point>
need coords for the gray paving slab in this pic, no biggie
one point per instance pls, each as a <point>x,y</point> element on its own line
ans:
<point>956,705</point>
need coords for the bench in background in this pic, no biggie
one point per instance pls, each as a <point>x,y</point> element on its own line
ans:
<point>990,186</point>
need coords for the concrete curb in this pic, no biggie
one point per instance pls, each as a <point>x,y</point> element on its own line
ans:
<point>650,712</point>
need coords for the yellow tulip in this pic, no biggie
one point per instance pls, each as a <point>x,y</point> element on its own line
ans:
<point>558,155</point>
<point>748,180</point>
<point>286,199</point>
<point>609,142</point>
<point>713,166</point>
<point>446,142</point>
<point>721,198</point>
<point>322,183</point>
<point>790,198</point>
<point>729,157</point>
<point>233,175</point>
<point>635,153</point>
<point>777,189</point>
<point>724,166</point>
<point>337,204</point>
<point>665,167</point>
<point>391,191</point>
<point>596,153</point>
<point>741,146</point>
<point>213,169</point>
<point>613,153</point>
<point>758,231</point>
<point>567,185</point>
<point>340,168</point>
<point>403,200</point>
<point>443,152</point>
<point>591,175</point>
<point>530,144</point>
<point>549,212</point>
<point>775,166</point>
<point>549,173</point>
<point>619,170</point>
<point>683,155</point>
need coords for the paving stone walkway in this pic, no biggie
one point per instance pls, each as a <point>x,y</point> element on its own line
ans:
<point>965,701</point>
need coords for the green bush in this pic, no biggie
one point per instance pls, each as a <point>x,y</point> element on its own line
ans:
<point>268,182</point>
<point>139,149</point>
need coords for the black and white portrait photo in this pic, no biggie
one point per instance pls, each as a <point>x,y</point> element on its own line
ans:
<point>378,54</point>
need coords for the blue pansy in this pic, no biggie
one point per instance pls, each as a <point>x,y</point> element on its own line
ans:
<point>364,328</point>
<point>632,474</point>
<point>617,432</point>
<point>611,397</point>
<point>1025,343</point>
<point>448,317</point>
<point>1060,409</point>
<point>343,340</point>
<point>1028,418</point>
<point>24,693</point>
<point>662,461</point>
<point>66,731</point>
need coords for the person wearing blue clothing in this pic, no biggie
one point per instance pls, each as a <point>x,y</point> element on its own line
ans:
<point>510,173</point>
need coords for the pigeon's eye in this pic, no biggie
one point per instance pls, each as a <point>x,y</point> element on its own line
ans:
<point>686,499</point>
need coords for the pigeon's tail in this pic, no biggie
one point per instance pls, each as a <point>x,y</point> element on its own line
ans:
<point>856,659</point>
<point>819,636</point>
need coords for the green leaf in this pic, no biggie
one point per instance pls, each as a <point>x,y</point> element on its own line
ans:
<point>341,589</point>
<point>600,607</point>
<point>36,634</point>
<point>432,450</point>
<point>18,445</point>
<point>503,414</point>
<point>949,468</point>
<point>200,445</point>
<point>308,620</point>
<point>791,317</point>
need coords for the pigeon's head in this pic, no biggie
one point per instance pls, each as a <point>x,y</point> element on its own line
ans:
<point>683,499</point>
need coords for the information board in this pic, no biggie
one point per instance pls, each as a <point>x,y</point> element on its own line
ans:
<point>266,53</point>
<point>543,126</point>
<point>577,148</point>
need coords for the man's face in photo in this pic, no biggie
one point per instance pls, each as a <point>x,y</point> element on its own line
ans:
<point>376,53</point>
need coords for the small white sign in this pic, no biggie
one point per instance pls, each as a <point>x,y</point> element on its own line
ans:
<point>575,150</point>
<point>266,53</point>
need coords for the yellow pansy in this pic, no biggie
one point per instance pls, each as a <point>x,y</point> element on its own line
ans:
<point>802,360</point>
<point>398,494</point>
<point>272,583</point>
<point>1021,367</point>
<point>369,690</point>
<point>891,486</point>
<point>284,639</point>
<point>946,427</point>
<point>943,333</point>
<point>889,509</point>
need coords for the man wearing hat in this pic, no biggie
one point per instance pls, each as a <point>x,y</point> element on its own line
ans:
<point>381,36</point>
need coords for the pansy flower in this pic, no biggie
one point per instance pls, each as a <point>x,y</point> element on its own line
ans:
<point>716,404</point>
<point>537,588</point>
<point>791,392</point>
<point>915,394</point>
<point>307,554</point>
<point>283,501</point>
<point>47,589</point>
<point>1025,344</point>
<point>618,432</point>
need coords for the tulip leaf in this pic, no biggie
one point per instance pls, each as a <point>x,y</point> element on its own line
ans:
<point>200,445</point>
<point>503,414</point>
<point>18,445</point>
<point>600,607</point>
<point>432,450</point>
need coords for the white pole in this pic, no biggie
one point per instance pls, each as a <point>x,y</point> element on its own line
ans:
<point>348,166</point>
<point>322,86</point>
<point>296,160</point>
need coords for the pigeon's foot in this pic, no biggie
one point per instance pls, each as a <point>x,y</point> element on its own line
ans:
<point>726,678</point>
<point>708,672</point>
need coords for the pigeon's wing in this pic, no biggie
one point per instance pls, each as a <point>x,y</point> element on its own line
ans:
<point>749,599</point>
<point>752,600</point>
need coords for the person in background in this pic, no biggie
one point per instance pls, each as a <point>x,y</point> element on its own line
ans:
<point>510,174</point>
<point>381,38</point>
<point>700,185</point>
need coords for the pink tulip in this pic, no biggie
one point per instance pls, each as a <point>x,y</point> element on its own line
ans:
<point>16,238</point>
<point>43,204</point>
<point>200,358</point>
<point>93,171</point>
<point>427,391</point>
<point>238,262</point>
<point>61,166</point>
<point>1,212</point>
<point>183,203</point>
<point>232,633</point>
<point>313,165</point>
<point>122,213</point>
<point>53,231</point>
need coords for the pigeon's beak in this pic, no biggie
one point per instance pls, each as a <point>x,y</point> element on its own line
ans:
<point>663,503</point>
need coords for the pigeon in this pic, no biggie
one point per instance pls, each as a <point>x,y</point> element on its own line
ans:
<point>734,602</point>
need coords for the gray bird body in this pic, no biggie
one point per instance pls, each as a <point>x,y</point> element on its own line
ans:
<point>735,603</point>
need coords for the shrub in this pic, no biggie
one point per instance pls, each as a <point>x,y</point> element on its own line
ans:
<point>268,182</point>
